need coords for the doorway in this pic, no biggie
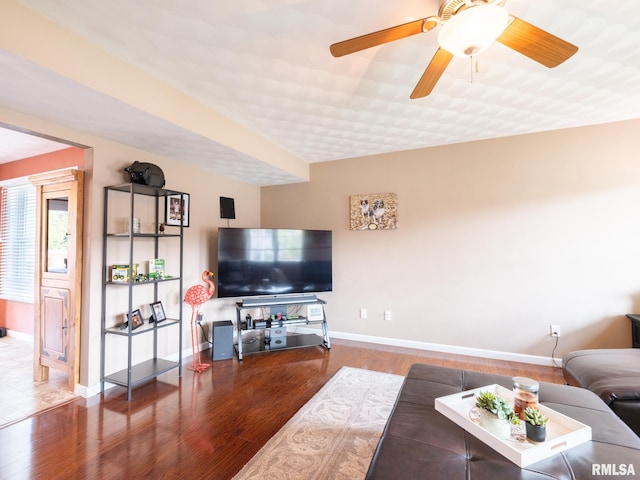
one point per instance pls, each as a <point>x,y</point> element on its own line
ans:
<point>23,154</point>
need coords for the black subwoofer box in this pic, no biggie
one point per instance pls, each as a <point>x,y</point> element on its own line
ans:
<point>3,332</point>
<point>222,340</point>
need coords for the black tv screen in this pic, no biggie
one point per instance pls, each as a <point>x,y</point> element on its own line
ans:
<point>262,261</point>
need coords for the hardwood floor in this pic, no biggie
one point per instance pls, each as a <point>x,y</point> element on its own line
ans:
<point>205,425</point>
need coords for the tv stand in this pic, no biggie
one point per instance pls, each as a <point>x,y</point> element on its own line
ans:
<point>270,330</point>
<point>277,300</point>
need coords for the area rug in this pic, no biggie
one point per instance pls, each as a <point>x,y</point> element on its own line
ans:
<point>334,434</point>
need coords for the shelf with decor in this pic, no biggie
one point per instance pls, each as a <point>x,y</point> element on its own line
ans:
<point>127,292</point>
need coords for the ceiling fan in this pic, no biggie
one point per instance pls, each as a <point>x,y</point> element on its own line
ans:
<point>467,27</point>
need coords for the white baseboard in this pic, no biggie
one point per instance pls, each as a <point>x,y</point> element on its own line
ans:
<point>87,392</point>
<point>20,335</point>
<point>437,347</point>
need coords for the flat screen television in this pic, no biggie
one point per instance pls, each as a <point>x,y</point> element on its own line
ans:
<point>263,261</point>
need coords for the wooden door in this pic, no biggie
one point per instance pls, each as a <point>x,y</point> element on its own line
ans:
<point>58,274</point>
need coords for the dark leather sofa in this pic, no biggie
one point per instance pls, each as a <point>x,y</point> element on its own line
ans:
<point>612,374</point>
<point>420,443</point>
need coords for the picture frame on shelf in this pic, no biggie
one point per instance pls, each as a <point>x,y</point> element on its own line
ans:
<point>135,317</point>
<point>157,312</point>
<point>177,210</point>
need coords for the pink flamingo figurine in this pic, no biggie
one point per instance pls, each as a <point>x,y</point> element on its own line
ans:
<point>196,296</point>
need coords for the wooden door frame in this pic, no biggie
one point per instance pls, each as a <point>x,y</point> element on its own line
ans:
<point>71,181</point>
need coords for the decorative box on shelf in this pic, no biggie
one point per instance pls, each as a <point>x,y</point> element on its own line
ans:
<point>156,268</point>
<point>562,432</point>
<point>122,274</point>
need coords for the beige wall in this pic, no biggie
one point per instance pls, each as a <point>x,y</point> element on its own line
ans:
<point>496,240</point>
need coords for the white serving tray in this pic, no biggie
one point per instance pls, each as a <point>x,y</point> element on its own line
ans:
<point>562,432</point>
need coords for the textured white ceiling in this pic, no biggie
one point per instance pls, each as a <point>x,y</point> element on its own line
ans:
<point>266,65</point>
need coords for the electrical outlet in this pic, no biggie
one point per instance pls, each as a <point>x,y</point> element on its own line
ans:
<point>387,315</point>
<point>363,313</point>
<point>554,330</point>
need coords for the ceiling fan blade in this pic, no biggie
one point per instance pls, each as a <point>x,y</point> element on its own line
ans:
<point>537,44</point>
<point>432,74</point>
<point>383,36</point>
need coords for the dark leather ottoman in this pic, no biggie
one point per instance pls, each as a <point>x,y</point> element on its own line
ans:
<point>420,443</point>
<point>611,373</point>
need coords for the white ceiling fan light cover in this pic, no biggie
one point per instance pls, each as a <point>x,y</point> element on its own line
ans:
<point>473,30</point>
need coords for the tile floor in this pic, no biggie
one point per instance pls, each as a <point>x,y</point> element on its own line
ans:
<point>20,396</point>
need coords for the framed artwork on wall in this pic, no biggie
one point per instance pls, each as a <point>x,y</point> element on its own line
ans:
<point>373,211</point>
<point>177,210</point>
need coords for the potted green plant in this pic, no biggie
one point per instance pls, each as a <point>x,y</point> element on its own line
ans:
<point>496,414</point>
<point>536,424</point>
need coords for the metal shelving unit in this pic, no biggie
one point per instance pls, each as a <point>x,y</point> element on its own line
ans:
<point>135,374</point>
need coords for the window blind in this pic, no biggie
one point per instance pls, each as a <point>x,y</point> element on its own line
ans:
<point>17,242</point>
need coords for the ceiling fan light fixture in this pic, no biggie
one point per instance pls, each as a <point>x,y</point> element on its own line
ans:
<point>473,30</point>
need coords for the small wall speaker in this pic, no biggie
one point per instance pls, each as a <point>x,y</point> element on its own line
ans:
<point>227,208</point>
